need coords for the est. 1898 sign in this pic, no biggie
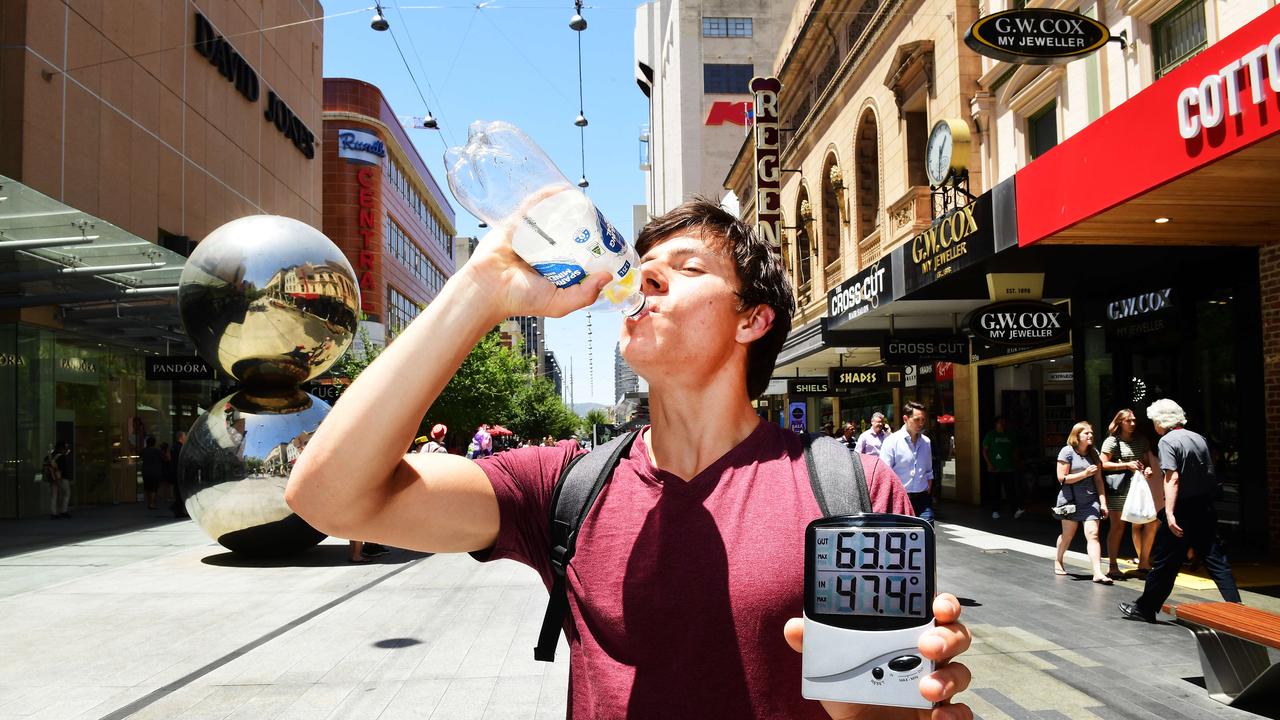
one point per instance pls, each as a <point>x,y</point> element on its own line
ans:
<point>1036,36</point>
<point>1020,323</point>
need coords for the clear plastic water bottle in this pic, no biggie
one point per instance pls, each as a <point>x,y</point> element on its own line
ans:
<point>501,173</point>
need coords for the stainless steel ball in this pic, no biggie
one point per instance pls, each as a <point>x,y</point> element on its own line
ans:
<point>269,300</point>
<point>234,467</point>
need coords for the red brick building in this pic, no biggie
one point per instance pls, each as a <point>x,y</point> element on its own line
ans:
<point>383,207</point>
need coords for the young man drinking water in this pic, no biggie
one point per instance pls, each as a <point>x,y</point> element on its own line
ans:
<point>688,582</point>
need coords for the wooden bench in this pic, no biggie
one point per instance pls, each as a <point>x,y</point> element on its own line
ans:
<point>1233,641</point>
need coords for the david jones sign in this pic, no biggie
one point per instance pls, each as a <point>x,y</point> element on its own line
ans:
<point>1038,36</point>
<point>1025,324</point>
<point>232,66</point>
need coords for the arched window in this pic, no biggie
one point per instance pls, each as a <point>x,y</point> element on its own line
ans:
<point>830,214</point>
<point>804,244</point>
<point>867,161</point>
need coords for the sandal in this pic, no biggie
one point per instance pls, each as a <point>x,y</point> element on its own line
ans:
<point>359,560</point>
<point>1059,570</point>
<point>1104,581</point>
<point>1115,575</point>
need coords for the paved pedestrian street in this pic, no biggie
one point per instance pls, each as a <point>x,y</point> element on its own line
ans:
<point>158,622</point>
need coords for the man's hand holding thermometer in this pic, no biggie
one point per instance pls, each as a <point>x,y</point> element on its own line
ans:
<point>876,641</point>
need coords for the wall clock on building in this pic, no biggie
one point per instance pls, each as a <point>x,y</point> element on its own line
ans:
<point>948,150</point>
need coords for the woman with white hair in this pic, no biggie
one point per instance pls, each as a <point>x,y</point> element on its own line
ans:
<point>1190,485</point>
<point>1080,474</point>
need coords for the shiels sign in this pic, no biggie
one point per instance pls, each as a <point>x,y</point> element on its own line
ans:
<point>1038,36</point>
<point>1022,323</point>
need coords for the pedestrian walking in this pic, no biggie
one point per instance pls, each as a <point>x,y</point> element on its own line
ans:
<point>1189,519</point>
<point>51,470</point>
<point>679,604</point>
<point>848,435</point>
<point>872,439</point>
<point>436,443</point>
<point>481,443</point>
<point>909,454</point>
<point>999,453</point>
<point>1080,475</point>
<point>1126,459</point>
<point>152,470</point>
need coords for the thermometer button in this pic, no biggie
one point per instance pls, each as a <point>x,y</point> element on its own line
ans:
<point>906,663</point>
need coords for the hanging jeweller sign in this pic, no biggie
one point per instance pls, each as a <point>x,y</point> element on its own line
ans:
<point>1036,36</point>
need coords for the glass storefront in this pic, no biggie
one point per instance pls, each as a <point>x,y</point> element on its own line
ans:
<point>59,388</point>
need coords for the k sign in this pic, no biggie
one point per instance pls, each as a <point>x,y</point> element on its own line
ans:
<point>727,111</point>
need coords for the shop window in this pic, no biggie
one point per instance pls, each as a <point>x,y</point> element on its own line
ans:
<point>1042,130</point>
<point>1178,36</point>
<point>726,78</point>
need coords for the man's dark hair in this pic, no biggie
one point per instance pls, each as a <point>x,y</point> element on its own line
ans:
<point>762,280</point>
<point>910,407</point>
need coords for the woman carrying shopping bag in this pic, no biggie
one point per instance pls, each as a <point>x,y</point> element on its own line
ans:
<point>1127,464</point>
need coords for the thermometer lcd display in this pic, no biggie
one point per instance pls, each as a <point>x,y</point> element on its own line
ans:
<point>876,572</point>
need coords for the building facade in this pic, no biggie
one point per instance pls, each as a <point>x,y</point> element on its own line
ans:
<point>1107,189</point>
<point>383,208</point>
<point>694,60</point>
<point>129,136</point>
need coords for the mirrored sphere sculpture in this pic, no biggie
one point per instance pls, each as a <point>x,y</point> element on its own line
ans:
<point>271,302</point>
<point>234,467</point>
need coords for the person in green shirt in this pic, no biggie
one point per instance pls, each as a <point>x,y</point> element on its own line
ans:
<point>999,449</point>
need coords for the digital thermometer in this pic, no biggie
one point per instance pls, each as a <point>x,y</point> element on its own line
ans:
<point>868,596</point>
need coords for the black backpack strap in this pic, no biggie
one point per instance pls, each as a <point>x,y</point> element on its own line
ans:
<point>580,483</point>
<point>831,467</point>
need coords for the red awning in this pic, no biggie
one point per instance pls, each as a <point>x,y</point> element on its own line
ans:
<point>499,430</point>
<point>1149,157</point>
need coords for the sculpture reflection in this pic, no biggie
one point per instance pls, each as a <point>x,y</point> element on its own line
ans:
<point>235,465</point>
<point>271,302</point>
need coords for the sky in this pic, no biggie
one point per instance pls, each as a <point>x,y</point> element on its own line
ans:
<point>515,60</point>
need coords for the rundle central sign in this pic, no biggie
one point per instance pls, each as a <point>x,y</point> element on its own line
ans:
<point>1036,36</point>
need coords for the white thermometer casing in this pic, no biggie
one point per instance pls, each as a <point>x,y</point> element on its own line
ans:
<point>865,649</point>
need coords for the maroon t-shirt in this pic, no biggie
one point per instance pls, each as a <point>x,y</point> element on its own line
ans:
<point>679,590</point>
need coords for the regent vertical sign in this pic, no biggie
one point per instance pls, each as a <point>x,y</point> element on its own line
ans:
<point>367,226</point>
<point>764,91</point>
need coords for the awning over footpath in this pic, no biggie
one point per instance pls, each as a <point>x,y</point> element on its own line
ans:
<point>1198,147</point>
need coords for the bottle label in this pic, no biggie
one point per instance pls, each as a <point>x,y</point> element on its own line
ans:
<point>562,274</point>
<point>612,239</point>
<point>626,266</point>
<point>583,235</point>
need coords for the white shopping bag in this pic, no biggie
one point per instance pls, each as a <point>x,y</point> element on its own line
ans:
<point>1139,506</point>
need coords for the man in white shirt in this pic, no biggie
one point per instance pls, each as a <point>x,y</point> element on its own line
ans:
<point>871,441</point>
<point>910,454</point>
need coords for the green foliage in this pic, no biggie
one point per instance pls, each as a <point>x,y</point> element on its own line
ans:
<point>494,385</point>
<point>596,416</point>
<point>355,360</point>
<point>540,412</point>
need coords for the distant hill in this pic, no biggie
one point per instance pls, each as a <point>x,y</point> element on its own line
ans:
<point>583,408</point>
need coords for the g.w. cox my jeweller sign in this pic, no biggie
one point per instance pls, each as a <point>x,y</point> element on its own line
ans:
<point>1038,36</point>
